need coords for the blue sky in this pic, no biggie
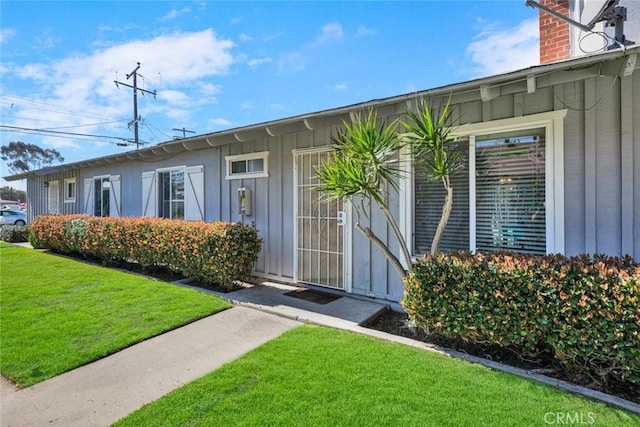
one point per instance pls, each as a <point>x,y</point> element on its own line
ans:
<point>220,65</point>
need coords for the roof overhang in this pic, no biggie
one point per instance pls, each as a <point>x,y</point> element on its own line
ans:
<point>618,62</point>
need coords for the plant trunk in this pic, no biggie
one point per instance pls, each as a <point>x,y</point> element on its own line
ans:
<point>396,230</point>
<point>446,211</point>
<point>387,253</point>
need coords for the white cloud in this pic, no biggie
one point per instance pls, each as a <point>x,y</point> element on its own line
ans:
<point>174,13</point>
<point>291,62</point>
<point>331,32</point>
<point>247,105</point>
<point>259,61</point>
<point>498,51</point>
<point>339,87</point>
<point>364,31</point>
<point>220,122</point>
<point>82,89</point>
<point>6,34</point>
<point>208,89</point>
<point>245,37</point>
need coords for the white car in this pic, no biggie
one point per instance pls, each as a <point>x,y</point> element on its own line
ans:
<point>12,217</point>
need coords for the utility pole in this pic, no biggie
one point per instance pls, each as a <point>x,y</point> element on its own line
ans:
<point>184,132</point>
<point>135,88</point>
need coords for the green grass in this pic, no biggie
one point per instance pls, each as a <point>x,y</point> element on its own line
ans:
<point>57,313</point>
<point>313,376</point>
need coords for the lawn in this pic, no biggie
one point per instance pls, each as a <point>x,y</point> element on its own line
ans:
<point>317,376</point>
<point>57,313</point>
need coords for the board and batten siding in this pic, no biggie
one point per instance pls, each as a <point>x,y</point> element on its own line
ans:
<point>601,156</point>
<point>600,175</point>
<point>38,194</point>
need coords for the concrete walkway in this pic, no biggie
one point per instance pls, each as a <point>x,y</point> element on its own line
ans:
<point>346,312</point>
<point>107,390</point>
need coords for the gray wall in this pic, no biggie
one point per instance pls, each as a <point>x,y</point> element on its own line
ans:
<point>601,175</point>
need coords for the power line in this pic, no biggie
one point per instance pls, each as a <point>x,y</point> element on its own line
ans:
<point>46,132</point>
<point>35,119</point>
<point>12,100</point>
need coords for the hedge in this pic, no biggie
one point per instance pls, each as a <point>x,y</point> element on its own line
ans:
<point>14,233</point>
<point>584,309</point>
<point>218,253</point>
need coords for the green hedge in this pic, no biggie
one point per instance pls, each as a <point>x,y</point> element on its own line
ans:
<point>217,253</point>
<point>14,233</point>
<point>586,310</point>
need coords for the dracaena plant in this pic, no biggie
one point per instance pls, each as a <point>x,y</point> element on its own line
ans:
<point>364,168</point>
<point>437,152</point>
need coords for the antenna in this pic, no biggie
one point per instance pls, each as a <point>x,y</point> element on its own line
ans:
<point>608,11</point>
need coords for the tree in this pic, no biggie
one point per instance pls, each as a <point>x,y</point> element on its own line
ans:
<point>23,157</point>
<point>365,166</point>
<point>433,147</point>
<point>10,193</point>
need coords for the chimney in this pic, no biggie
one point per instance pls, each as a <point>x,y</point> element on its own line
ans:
<point>554,33</point>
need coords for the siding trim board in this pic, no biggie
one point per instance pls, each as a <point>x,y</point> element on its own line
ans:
<point>627,164</point>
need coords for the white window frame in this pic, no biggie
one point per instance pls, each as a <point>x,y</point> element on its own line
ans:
<point>68,181</point>
<point>264,155</point>
<point>553,123</point>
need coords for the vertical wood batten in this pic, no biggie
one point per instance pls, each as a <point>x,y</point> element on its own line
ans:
<point>590,167</point>
<point>627,166</point>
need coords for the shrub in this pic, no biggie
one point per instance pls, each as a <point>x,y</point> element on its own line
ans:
<point>217,253</point>
<point>14,233</point>
<point>583,309</point>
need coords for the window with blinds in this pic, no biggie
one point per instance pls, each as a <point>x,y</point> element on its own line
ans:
<point>429,196</point>
<point>510,192</point>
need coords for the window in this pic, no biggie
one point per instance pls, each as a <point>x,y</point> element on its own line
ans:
<point>70,190</point>
<point>171,194</point>
<point>254,165</point>
<point>510,192</point>
<point>429,199</point>
<point>176,192</point>
<point>101,195</point>
<point>101,190</point>
<point>508,196</point>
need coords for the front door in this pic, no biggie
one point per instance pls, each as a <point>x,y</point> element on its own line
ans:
<point>53,205</point>
<point>319,229</point>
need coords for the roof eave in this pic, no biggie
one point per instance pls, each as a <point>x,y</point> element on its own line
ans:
<point>306,121</point>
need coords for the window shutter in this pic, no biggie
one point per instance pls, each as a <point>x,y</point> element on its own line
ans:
<point>194,194</point>
<point>149,204</point>
<point>510,194</point>
<point>88,196</point>
<point>429,198</point>
<point>114,196</point>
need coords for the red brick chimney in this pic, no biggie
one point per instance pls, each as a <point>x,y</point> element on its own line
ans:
<point>554,33</point>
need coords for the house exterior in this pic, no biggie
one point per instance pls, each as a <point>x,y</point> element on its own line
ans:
<point>552,165</point>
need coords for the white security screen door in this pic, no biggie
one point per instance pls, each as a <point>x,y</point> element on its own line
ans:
<point>319,229</point>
